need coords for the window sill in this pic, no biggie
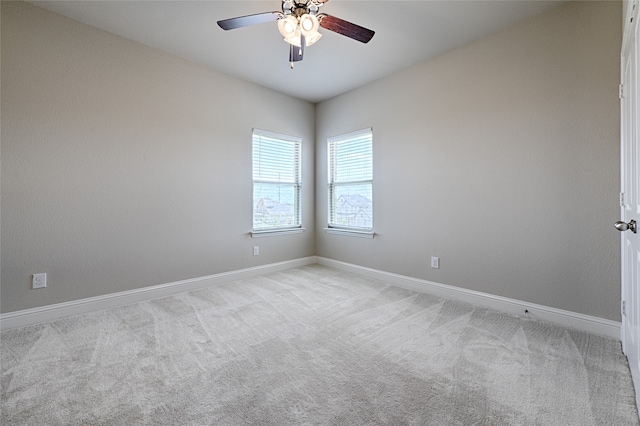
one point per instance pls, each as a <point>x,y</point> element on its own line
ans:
<point>275,232</point>
<point>350,232</point>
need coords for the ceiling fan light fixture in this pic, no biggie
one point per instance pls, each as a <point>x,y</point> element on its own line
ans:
<point>309,25</point>
<point>288,26</point>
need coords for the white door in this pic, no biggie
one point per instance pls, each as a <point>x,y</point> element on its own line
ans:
<point>630,195</point>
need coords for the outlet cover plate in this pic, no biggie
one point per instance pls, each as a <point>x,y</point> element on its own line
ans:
<point>39,281</point>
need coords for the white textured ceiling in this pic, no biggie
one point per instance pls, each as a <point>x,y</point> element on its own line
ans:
<point>407,32</point>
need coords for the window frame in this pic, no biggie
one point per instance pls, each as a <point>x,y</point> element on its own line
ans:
<point>295,183</point>
<point>333,183</point>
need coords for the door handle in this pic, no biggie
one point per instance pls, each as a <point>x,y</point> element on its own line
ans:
<point>623,226</point>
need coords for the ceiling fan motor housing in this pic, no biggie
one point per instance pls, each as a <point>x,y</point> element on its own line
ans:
<point>299,8</point>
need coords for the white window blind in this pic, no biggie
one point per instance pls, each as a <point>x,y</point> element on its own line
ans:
<point>351,181</point>
<point>276,181</point>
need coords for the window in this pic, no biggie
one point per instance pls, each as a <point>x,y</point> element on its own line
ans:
<point>350,181</point>
<point>276,181</point>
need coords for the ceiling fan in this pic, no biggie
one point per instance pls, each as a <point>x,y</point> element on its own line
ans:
<point>298,23</point>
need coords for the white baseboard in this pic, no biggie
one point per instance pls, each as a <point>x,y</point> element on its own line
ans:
<point>61,310</point>
<point>587,323</point>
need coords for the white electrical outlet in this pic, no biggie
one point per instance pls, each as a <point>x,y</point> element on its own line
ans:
<point>435,262</point>
<point>256,250</point>
<point>39,281</point>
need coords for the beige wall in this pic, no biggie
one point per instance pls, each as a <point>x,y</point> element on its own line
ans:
<point>500,157</point>
<point>124,167</point>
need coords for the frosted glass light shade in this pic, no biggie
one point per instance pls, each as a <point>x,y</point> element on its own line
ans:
<point>309,24</point>
<point>309,28</point>
<point>310,39</point>
<point>288,26</point>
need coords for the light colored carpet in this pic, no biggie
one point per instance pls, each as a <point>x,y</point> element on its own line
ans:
<point>310,346</point>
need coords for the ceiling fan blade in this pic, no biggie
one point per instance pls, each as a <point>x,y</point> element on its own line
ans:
<point>245,21</point>
<point>345,28</point>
